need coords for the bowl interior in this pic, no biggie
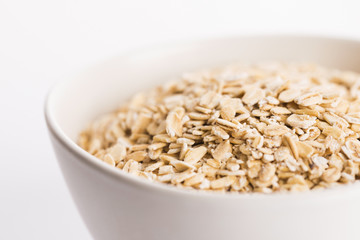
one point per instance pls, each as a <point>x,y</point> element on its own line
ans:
<point>74,103</point>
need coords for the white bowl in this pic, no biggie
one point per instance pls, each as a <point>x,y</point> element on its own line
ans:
<point>115,205</point>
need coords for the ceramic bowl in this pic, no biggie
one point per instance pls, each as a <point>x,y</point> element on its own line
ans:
<point>116,205</point>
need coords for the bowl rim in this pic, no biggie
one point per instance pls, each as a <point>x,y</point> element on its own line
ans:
<point>110,171</point>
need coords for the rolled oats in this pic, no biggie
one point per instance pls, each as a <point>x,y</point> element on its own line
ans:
<point>244,128</point>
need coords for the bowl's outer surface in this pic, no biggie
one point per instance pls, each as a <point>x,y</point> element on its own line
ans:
<point>115,205</point>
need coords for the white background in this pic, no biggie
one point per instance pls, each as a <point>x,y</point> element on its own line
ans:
<point>43,40</point>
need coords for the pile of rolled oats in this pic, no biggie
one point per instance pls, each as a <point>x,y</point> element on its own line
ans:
<point>242,128</point>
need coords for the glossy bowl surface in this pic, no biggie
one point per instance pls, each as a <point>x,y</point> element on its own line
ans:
<point>116,205</point>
